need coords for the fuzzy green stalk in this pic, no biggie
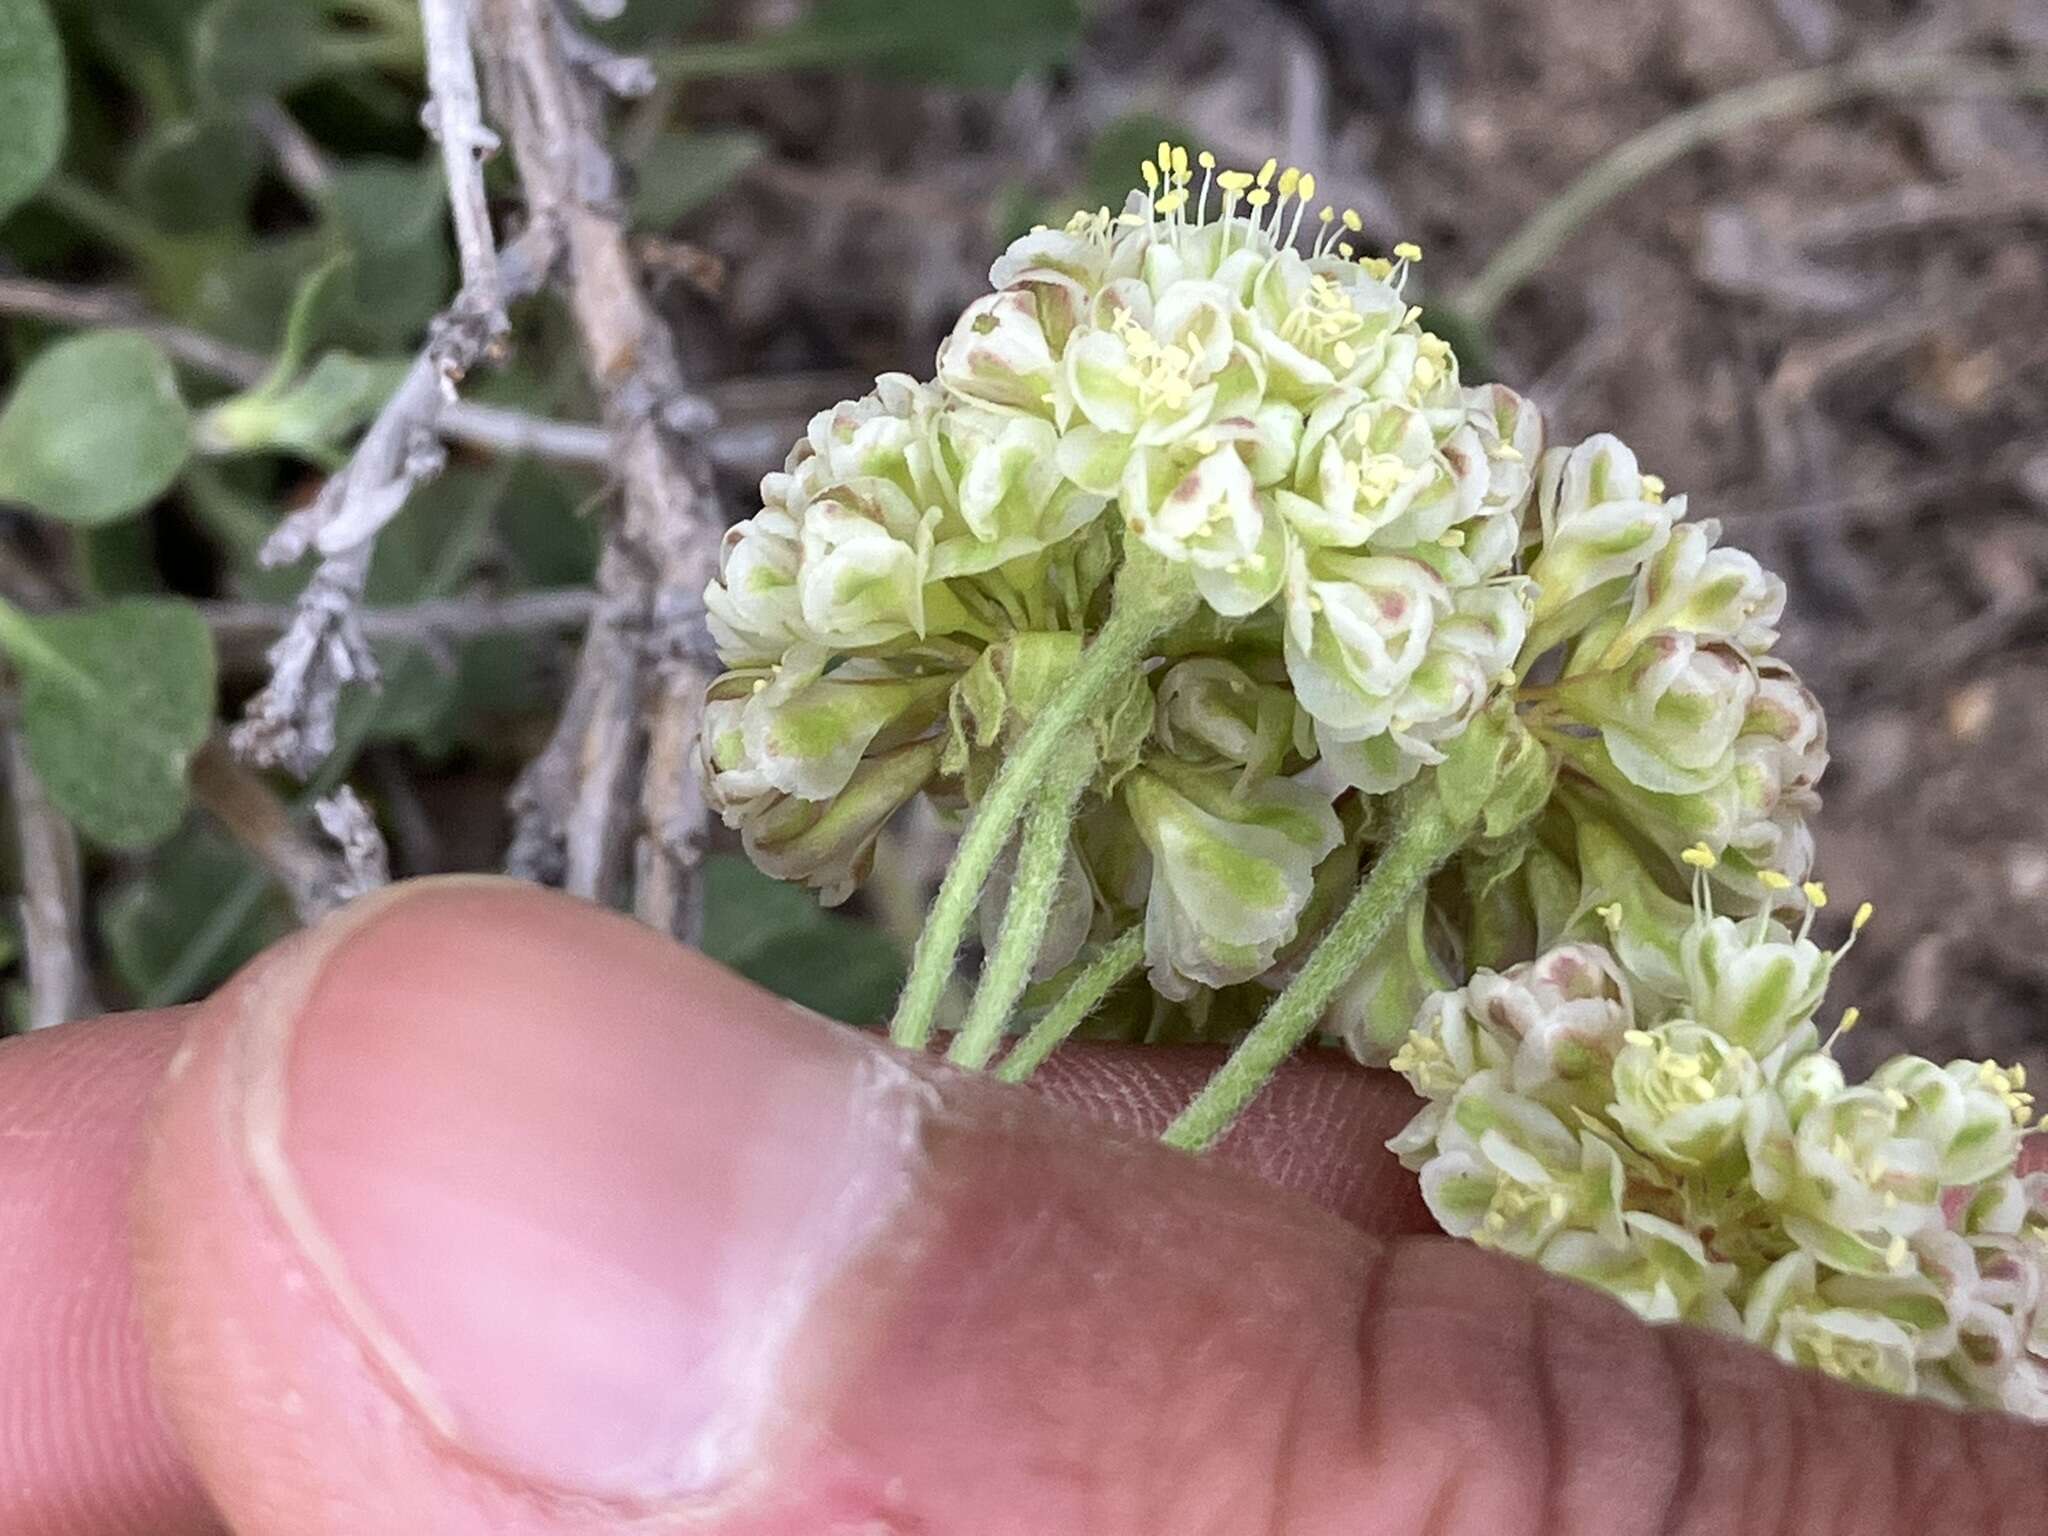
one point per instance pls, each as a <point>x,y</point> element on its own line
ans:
<point>1424,837</point>
<point>1121,956</point>
<point>1152,595</point>
<point>1041,862</point>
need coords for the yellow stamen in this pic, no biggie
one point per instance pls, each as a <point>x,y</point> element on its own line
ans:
<point>1816,893</point>
<point>1408,250</point>
<point>1863,916</point>
<point>1771,880</point>
<point>1700,856</point>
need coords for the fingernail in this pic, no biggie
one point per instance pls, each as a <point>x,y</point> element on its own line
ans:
<point>575,1189</point>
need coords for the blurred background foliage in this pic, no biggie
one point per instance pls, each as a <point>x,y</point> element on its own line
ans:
<point>223,232</point>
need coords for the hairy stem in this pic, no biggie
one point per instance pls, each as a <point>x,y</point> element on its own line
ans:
<point>1425,836</point>
<point>1151,597</point>
<point>1121,956</point>
<point>1041,861</point>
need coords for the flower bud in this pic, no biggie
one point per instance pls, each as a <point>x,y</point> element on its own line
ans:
<point>1567,1012</point>
<point>1599,526</point>
<point>754,608</point>
<point>1964,1113</point>
<point>1232,871</point>
<point>1751,981</point>
<point>1669,717</point>
<point>1660,1271</point>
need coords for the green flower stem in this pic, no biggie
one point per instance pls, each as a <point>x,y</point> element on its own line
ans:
<point>1152,596</point>
<point>1118,959</point>
<point>1425,836</point>
<point>1041,861</point>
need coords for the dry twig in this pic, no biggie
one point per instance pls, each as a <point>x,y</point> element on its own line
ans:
<point>615,793</point>
<point>254,815</point>
<point>52,899</point>
<point>290,722</point>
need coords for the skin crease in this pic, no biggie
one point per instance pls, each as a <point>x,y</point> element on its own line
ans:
<point>1042,1326</point>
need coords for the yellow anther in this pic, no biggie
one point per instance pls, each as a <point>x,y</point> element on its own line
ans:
<point>1816,893</point>
<point>1234,181</point>
<point>1638,1036</point>
<point>1344,353</point>
<point>1344,249</point>
<point>1771,880</point>
<point>1326,215</point>
<point>1455,539</point>
<point>1897,1100</point>
<point>1174,200</point>
<point>760,683</point>
<point>1895,1255</point>
<point>1352,221</point>
<point>1290,179</point>
<point>1414,314</point>
<point>1851,1017</point>
<point>1308,185</point>
<point>1653,487</point>
<point>1506,453</point>
<point>1258,197</point>
<point>1700,856</point>
<point>1377,267</point>
<point>1862,918</point>
<point>1180,160</point>
<point>1151,174</point>
<point>1610,914</point>
<point>1266,171</point>
<point>1408,250</point>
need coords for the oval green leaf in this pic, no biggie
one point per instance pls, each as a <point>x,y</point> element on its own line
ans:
<point>31,100</point>
<point>95,430</point>
<point>114,702</point>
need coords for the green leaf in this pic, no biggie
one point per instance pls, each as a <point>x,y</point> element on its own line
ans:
<point>245,48</point>
<point>686,170</point>
<point>31,100</point>
<point>391,214</point>
<point>946,41</point>
<point>149,921</point>
<point>95,430</point>
<point>312,417</point>
<point>114,702</point>
<point>191,176</point>
<point>777,935</point>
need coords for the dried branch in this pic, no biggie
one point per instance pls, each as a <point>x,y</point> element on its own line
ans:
<point>62,305</point>
<point>52,899</point>
<point>477,324</point>
<point>615,790</point>
<point>299,160</point>
<point>290,723</point>
<point>365,862</point>
<point>255,816</point>
<point>491,428</point>
<point>432,624</point>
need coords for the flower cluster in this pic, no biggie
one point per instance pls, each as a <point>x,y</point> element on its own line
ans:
<point>1382,552</point>
<point>1679,1135</point>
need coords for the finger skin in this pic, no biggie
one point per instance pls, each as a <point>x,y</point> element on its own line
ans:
<point>84,1450</point>
<point>1055,1331</point>
<point>83,1447</point>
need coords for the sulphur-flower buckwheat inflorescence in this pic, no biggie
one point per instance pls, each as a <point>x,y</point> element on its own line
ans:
<point>1256,650</point>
